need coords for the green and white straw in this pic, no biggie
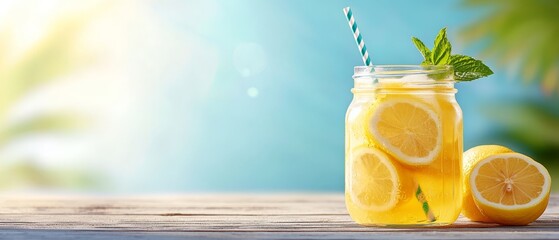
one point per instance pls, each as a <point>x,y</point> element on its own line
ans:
<point>424,204</point>
<point>367,60</point>
<point>357,36</point>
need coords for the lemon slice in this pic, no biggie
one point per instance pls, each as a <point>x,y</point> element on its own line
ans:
<point>408,129</point>
<point>376,183</point>
<point>510,188</point>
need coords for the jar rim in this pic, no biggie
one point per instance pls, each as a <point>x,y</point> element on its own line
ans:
<point>384,71</point>
<point>404,76</point>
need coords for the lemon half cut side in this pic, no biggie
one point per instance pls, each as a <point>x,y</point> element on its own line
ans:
<point>510,188</point>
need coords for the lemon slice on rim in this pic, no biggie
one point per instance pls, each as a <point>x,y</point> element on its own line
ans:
<point>510,188</point>
<point>408,129</point>
<point>376,183</point>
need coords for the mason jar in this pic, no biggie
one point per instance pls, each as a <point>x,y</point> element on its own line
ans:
<point>403,146</point>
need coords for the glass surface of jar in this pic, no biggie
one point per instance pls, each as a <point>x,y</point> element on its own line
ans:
<point>404,143</point>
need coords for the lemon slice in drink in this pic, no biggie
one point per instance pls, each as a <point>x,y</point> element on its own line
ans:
<point>510,188</point>
<point>376,183</point>
<point>408,128</point>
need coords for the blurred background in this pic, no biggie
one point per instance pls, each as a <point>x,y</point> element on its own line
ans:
<point>221,95</point>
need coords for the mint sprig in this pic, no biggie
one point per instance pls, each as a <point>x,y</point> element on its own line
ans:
<point>465,68</point>
<point>441,49</point>
<point>425,51</point>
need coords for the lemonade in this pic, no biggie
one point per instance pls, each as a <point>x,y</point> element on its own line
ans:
<point>404,147</point>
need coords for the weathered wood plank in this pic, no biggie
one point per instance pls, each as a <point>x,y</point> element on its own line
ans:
<point>290,216</point>
<point>73,235</point>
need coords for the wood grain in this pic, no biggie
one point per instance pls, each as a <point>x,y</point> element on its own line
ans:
<point>219,216</point>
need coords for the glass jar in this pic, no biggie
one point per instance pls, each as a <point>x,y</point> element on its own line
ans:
<point>403,146</point>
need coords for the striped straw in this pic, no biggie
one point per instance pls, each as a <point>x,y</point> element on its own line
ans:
<point>367,60</point>
<point>424,204</point>
<point>357,36</point>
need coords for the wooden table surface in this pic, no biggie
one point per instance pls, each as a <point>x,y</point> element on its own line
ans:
<point>221,216</point>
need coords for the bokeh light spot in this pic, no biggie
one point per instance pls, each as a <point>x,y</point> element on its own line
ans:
<point>252,92</point>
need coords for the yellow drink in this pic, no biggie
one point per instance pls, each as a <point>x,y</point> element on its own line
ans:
<point>404,132</point>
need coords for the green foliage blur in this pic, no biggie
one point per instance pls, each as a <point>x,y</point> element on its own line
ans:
<point>522,36</point>
<point>51,57</point>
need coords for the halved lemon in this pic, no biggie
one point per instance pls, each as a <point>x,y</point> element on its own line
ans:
<point>376,183</point>
<point>471,158</point>
<point>407,128</point>
<point>510,188</point>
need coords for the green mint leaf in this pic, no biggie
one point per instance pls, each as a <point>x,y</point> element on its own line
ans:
<point>425,51</point>
<point>468,69</point>
<point>441,49</point>
<point>465,68</point>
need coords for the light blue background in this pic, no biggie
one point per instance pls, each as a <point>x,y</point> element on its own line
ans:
<point>290,137</point>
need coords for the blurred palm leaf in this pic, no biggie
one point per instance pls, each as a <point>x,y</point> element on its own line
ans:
<point>60,122</point>
<point>52,57</point>
<point>25,175</point>
<point>520,35</point>
<point>531,124</point>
